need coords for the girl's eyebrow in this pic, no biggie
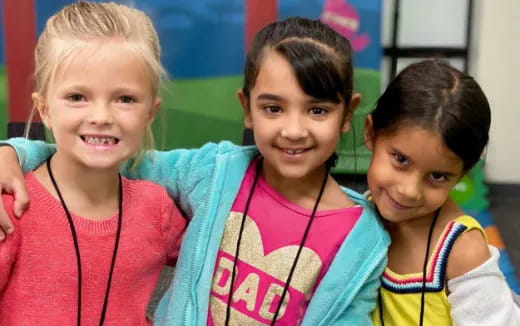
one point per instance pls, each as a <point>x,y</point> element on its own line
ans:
<point>273,97</point>
<point>446,173</point>
<point>269,97</point>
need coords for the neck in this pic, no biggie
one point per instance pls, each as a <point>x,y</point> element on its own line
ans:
<point>90,193</point>
<point>96,184</point>
<point>411,229</point>
<point>301,191</point>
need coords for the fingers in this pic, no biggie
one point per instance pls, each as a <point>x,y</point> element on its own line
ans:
<point>6,226</point>
<point>21,198</point>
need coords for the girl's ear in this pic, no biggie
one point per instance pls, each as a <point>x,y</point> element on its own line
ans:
<point>155,108</point>
<point>244,103</point>
<point>354,102</point>
<point>42,108</point>
<point>369,133</point>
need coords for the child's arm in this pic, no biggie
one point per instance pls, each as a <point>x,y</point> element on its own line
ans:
<point>478,292</point>
<point>360,311</point>
<point>11,181</point>
<point>181,172</point>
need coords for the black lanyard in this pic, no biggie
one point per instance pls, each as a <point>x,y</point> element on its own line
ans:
<point>425,264</point>
<point>76,244</point>
<point>239,240</point>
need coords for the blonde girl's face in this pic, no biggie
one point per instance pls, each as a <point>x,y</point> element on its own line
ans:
<point>411,172</point>
<point>294,132</point>
<point>99,105</point>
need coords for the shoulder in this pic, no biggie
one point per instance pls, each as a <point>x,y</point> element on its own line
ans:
<point>369,224</point>
<point>144,191</point>
<point>469,251</point>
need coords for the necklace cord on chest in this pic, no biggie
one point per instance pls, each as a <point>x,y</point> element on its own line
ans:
<point>425,264</point>
<point>300,248</point>
<point>76,245</point>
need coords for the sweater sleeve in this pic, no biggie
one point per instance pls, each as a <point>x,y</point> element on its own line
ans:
<point>31,153</point>
<point>184,173</point>
<point>173,226</point>
<point>482,296</point>
<point>8,247</point>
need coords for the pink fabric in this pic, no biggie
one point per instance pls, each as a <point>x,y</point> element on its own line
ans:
<point>274,224</point>
<point>38,271</point>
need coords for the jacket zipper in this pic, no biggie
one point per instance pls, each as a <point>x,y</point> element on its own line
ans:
<point>195,254</point>
<point>379,257</point>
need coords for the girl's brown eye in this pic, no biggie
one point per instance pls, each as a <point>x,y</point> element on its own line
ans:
<point>272,109</point>
<point>400,159</point>
<point>75,97</point>
<point>317,111</point>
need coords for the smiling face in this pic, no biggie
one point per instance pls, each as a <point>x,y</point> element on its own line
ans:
<point>411,172</point>
<point>295,132</point>
<point>99,106</point>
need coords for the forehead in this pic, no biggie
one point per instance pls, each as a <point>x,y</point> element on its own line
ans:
<point>423,147</point>
<point>276,76</point>
<point>274,69</point>
<point>94,60</point>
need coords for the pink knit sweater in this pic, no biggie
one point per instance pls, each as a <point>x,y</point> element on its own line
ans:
<point>38,271</point>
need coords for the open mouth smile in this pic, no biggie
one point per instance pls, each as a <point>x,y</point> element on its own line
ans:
<point>100,140</point>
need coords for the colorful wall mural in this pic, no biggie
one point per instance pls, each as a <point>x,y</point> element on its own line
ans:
<point>203,45</point>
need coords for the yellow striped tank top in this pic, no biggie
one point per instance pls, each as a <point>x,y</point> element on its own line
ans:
<point>401,294</point>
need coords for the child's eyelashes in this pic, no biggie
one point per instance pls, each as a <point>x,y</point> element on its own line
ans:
<point>127,99</point>
<point>78,97</point>
<point>272,109</point>
<point>318,110</point>
<point>314,111</point>
<point>75,97</point>
<point>400,159</point>
<point>438,177</point>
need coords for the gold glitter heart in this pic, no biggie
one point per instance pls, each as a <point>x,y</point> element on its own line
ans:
<point>277,264</point>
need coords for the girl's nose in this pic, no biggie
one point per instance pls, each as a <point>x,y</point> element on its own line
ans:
<point>409,190</point>
<point>101,114</point>
<point>294,128</point>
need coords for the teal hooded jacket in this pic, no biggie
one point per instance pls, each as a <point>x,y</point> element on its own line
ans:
<point>204,183</point>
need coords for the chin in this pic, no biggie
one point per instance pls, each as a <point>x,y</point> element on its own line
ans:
<point>97,164</point>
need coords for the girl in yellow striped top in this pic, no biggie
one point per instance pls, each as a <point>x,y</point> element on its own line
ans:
<point>428,129</point>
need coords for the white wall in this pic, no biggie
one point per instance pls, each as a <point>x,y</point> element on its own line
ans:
<point>495,63</point>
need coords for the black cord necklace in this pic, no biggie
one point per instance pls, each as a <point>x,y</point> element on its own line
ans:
<point>239,240</point>
<point>425,264</point>
<point>76,244</point>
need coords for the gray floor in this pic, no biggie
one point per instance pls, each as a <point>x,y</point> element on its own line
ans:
<point>504,207</point>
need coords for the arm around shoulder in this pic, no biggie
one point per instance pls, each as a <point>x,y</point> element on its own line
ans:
<point>31,153</point>
<point>180,171</point>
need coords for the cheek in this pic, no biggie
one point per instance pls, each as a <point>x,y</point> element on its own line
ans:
<point>438,197</point>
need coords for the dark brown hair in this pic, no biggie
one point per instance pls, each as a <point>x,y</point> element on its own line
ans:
<point>433,95</point>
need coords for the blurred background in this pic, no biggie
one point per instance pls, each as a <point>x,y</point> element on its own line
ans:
<point>204,44</point>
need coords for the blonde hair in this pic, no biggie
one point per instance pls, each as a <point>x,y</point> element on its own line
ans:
<point>67,32</point>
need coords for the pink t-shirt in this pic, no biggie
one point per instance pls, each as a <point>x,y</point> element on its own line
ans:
<point>272,234</point>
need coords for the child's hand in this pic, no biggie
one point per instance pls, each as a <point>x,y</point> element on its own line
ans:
<point>11,181</point>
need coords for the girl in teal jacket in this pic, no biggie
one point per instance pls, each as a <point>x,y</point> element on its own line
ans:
<point>273,239</point>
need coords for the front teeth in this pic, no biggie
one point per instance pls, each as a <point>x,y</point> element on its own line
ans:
<point>294,151</point>
<point>100,140</point>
